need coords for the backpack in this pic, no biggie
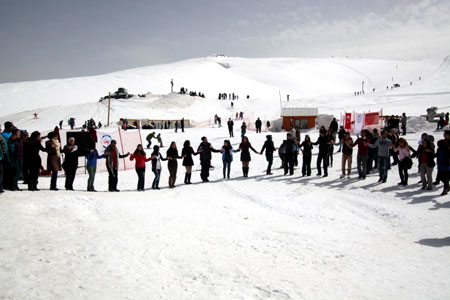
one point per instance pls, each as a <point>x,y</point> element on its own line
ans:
<point>407,161</point>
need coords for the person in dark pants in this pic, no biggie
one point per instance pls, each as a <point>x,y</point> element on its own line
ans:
<point>288,161</point>
<point>334,125</point>
<point>227,158</point>
<point>230,124</point>
<point>91,157</point>
<point>244,148</point>
<point>404,155</point>
<point>404,120</point>
<point>258,125</point>
<point>32,159</point>
<point>53,149</point>
<point>172,156</point>
<point>341,134</point>
<point>306,148</point>
<point>323,141</point>
<point>205,150</point>
<point>270,148</point>
<point>182,124</point>
<point>140,156</point>
<point>4,157</point>
<point>188,162</point>
<point>156,166</point>
<point>70,164</point>
<point>112,164</point>
<point>443,164</point>
<point>15,144</point>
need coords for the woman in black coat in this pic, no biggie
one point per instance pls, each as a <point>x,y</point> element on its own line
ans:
<point>70,164</point>
<point>172,156</point>
<point>32,159</point>
<point>188,162</point>
<point>245,147</point>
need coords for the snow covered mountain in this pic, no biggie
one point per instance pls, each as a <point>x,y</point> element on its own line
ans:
<point>327,83</point>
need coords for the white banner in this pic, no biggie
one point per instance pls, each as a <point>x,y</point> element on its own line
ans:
<point>359,123</point>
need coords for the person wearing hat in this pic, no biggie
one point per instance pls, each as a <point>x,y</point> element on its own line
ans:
<point>205,149</point>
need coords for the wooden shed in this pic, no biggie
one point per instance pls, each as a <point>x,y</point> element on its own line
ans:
<point>301,117</point>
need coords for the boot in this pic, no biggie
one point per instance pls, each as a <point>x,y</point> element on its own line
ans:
<point>243,171</point>
<point>246,171</point>
<point>170,182</point>
<point>189,178</point>
<point>186,178</point>
<point>173,181</point>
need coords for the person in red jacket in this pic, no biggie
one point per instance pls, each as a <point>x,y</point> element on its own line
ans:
<point>363,154</point>
<point>140,156</point>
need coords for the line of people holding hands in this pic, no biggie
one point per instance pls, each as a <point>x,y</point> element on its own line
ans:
<point>19,157</point>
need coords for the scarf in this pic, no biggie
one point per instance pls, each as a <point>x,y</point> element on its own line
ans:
<point>58,147</point>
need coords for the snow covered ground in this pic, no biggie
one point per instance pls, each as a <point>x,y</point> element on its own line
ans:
<point>263,237</point>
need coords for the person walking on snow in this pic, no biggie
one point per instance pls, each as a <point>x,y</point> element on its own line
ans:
<point>230,124</point>
<point>404,120</point>
<point>243,129</point>
<point>258,125</point>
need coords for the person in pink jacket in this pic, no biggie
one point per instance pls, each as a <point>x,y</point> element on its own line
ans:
<point>405,162</point>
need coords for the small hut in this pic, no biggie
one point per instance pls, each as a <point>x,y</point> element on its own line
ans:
<point>300,117</point>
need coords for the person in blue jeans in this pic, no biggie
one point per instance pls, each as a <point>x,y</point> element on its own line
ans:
<point>227,157</point>
<point>91,165</point>
<point>384,145</point>
<point>156,166</point>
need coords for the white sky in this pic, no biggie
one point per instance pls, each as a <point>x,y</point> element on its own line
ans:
<point>65,38</point>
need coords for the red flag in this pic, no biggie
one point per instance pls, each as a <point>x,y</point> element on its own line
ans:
<point>372,118</point>
<point>348,121</point>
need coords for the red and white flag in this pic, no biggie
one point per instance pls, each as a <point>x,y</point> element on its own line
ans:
<point>348,121</point>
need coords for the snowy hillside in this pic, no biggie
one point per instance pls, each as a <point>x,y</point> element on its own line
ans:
<point>326,83</point>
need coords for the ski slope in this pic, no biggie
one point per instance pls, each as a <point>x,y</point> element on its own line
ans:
<point>325,83</point>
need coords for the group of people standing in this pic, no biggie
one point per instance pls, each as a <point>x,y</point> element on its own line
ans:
<point>20,157</point>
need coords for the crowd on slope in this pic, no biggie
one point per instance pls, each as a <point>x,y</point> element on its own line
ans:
<point>20,157</point>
